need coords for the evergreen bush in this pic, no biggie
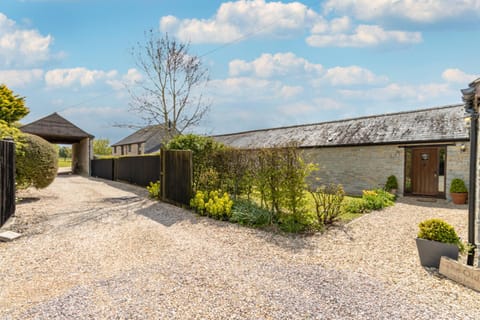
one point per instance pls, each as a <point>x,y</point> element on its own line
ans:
<point>37,164</point>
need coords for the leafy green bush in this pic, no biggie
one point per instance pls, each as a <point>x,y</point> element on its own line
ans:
<point>391,183</point>
<point>296,223</point>
<point>154,190</point>
<point>439,230</point>
<point>245,212</point>
<point>355,205</point>
<point>213,204</point>
<point>458,186</point>
<point>378,199</point>
<point>328,203</point>
<point>37,164</point>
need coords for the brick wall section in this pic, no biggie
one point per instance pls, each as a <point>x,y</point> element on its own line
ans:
<point>358,168</point>
<point>458,165</point>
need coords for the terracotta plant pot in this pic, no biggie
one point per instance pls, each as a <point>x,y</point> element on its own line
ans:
<point>459,198</point>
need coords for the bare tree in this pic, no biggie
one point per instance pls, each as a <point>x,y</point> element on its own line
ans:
<point>171,93</point>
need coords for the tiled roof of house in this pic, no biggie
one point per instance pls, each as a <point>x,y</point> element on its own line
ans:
<point>56,129</point>
<point>427,125</point>
<point>152,136</point>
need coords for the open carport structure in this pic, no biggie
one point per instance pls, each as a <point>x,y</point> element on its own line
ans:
<point>56,129</point>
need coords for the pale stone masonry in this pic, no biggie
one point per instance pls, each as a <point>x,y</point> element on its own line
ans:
<point>357,168</point>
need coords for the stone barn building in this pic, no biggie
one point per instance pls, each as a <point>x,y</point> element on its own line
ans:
<point>424,149</point>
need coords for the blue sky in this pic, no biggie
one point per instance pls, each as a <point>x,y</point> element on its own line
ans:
<point>271,63</point>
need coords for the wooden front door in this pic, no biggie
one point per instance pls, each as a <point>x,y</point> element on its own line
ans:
<point>425,171</point>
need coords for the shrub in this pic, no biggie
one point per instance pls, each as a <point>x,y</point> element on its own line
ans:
<point>37,164</point>
<point>328,203</point>
<point>439,230</point>
<point>458,186</point>
<point>248,213</point>
<point>213,204</point>
<point>154,190</point>
<point>378,199</point>
<point>296,223</point>
<point>355,205</point>
<point>391,183</point>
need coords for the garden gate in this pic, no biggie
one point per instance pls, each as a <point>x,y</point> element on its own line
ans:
<point>7,180</point>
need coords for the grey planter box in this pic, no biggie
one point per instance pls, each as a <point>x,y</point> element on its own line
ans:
<point>430,252</point>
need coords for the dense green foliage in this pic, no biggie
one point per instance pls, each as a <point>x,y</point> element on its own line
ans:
<point>391,183</point>
<point>65,152</point>
<point>458,186</point>
<point>355,205</point>
<point>37,165</point>
<point>101,147</point>
<point>328,203</point>
<point>154,190</point>
<point>247,213</point>
<point>439,230</point>
<point>378,199</point>
<point>12,107</point>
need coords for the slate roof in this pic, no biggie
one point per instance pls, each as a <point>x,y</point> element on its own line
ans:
<point>420,126</point>
<point>152,136</point>
<point>56,129</point>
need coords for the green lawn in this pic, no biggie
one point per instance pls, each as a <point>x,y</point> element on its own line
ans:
<point>64,163</point>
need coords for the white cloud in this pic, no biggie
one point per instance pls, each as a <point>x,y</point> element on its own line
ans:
<point>234,20</point>
<point>132,77</point>
<point>397,92</point>
<point>22,47</point>
<point>364,36</point>
<point>417,11</point>
<point>458,76</point>
<point>76,76</point>
<point>272,65</point>
<point>352,75</point>
<point>20,78</point>
<point>259,89</point>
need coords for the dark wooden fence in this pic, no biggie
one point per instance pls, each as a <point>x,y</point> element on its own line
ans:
<point>173,168</point>
<point>177,176</point>
<point>7,180</point>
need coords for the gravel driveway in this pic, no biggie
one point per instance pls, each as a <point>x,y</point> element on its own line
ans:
<point>99,249</point>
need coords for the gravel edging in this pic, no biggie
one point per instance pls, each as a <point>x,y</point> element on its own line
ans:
<point>102,250</point>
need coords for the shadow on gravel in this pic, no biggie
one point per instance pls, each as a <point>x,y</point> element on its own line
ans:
<point>125,186</point>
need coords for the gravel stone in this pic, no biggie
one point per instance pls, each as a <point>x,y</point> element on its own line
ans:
<point>95,249</point>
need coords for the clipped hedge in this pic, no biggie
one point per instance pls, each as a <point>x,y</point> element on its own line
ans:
<point>37,164</point>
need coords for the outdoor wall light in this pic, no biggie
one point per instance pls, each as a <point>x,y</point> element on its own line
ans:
<point>467,120</point>
<point>463,147</point>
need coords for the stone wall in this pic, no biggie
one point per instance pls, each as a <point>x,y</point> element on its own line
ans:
<point>117,151</point>
<point>358,168</point>
<point>81,154</point>
<point>458,165</point>
<point>367,167</point>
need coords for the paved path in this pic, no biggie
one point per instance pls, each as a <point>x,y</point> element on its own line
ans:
<point>98,249</point>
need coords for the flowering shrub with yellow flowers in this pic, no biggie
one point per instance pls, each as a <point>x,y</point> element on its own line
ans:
<point>378,199</point>
<point>213,203</point>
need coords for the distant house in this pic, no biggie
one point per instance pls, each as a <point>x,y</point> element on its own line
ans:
<point>144,141</point>
<point>424,149</point>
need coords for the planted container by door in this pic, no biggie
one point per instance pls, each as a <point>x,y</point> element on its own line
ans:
<point>458,191</point>
<point>436,238</point>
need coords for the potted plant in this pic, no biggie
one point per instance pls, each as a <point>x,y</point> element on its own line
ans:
<point>458,191</point>
<point>392,184</point>
<point>435,239</point>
